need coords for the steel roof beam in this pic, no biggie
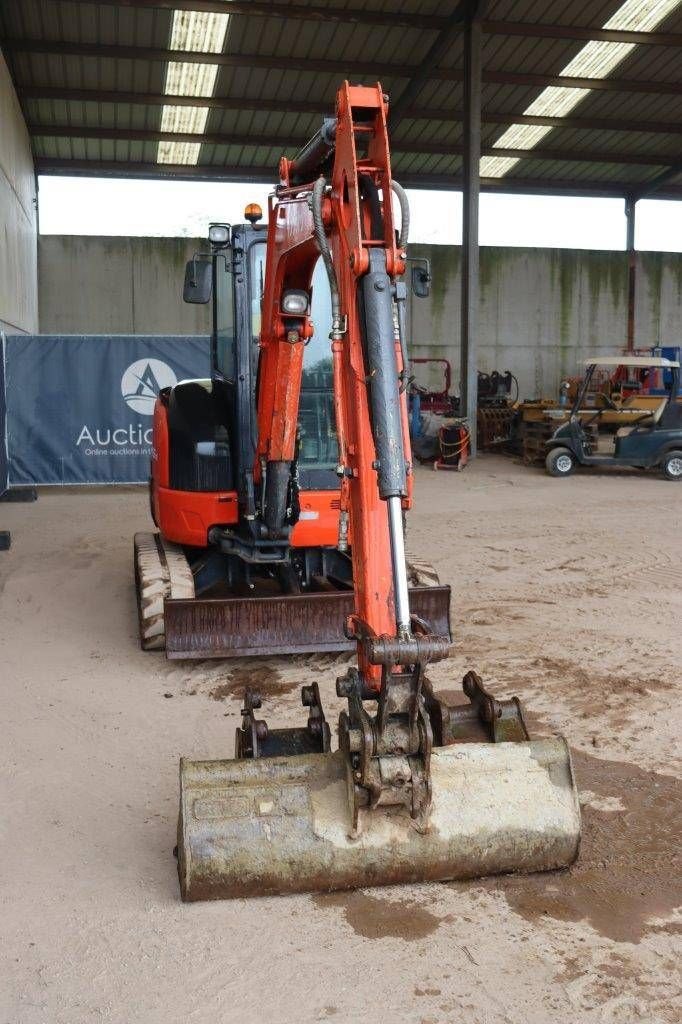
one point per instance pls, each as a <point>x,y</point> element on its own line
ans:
<point>267,141</point>
<point>650,188</point>
<point>367,16</point>
<point>265,175</point>
<point>295,11</point>
<point>420,74</point>
<point>362,68</point>
<point>37,92</point>
<point>596,84</point>
<point>543,31</point>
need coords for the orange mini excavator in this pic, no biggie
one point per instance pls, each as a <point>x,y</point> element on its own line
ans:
<point>418,789</point>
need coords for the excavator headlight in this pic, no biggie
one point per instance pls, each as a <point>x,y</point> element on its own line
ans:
<point>219,234</point>
<point>295,302</point>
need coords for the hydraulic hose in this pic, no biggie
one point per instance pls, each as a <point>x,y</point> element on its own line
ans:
<point>315,154</point>
<point>404,213</point>
<point>402,242</point>
<point>323,245</point>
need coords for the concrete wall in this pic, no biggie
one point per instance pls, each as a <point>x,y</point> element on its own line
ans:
<point>18,259</point>
<point>543,310</point>
<point>95,285</point>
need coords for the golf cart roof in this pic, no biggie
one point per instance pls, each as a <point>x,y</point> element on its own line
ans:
<point>630,361</point>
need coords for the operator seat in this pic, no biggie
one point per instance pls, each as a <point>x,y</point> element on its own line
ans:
<point>648,421</point>
<point>200,456</point>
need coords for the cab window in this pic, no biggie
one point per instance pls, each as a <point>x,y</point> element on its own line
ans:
<point>257,256</point>
<point>319,447</point>
<point>224,320</point>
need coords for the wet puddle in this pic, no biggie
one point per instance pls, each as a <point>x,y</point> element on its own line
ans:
<point>263,678</point>
<point>627,874</point>
<point>628,870</point>
<point>377,918</point>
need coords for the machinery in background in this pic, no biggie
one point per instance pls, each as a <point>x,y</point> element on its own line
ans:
<point>438,437</point>
<point>623,388</point>
<point>651,436</point>
<point>495,389</point>
<point>498,395</point>
<point>454,445</point>
<point>644,380</point>
<point>418,789</point>
<point>424,400</point>
<point>443,441</point>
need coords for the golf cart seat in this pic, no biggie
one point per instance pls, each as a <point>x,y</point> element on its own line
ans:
<point>646,421</point>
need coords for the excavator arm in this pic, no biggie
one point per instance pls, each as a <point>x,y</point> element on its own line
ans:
<point>348,219</point>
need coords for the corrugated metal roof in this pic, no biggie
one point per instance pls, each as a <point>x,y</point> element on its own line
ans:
<point>278,100</point>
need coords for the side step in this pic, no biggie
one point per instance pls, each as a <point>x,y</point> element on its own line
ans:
<point>293,624</point>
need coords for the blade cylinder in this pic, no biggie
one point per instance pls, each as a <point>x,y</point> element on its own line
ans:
<point>280,825</point>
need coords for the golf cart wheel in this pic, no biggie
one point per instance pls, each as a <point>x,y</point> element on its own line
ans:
<point>560,462</point>
<point>671,465</point>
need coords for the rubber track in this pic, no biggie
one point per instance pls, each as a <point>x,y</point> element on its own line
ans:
<point>161,571</point>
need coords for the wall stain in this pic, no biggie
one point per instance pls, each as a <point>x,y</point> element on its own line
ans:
<point>446,262</point>
<point>650,268</point>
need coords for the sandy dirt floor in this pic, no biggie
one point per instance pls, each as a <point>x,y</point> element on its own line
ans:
<point>567,593</point>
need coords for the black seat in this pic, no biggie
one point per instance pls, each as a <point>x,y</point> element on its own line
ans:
<point>200,455</point>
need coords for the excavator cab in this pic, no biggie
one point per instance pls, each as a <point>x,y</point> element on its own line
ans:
<point>231,277</point>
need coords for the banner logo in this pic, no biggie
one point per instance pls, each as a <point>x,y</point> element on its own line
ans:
<point>142,382</point>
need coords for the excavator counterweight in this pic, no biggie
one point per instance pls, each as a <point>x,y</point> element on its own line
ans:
<point>418,789</point>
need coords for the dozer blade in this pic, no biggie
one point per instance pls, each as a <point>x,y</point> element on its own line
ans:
<point>280,825</point>
<point>292,624</point>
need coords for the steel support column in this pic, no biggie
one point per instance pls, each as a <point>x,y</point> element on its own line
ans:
<point>468,363</point>
<point>630,204</point>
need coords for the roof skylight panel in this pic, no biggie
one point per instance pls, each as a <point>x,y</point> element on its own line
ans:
<point>201,33</point>
<point>596,59</point>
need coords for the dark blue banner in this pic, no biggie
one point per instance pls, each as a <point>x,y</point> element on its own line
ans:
<point>3,419</point>
<point>79,408</point>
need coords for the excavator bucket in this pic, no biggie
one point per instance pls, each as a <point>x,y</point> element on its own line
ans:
<point>233,627</point>
<point>281,824</point>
